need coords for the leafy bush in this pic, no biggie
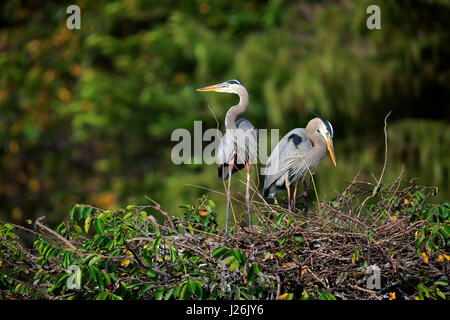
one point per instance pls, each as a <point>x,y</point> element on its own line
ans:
<point>141,253</point>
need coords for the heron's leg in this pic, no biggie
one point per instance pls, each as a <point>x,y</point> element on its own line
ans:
<point>305,194</point>
<point>288,193</point>
<point>248,167</point>
<point>295,194</point>
<point>230,167</point>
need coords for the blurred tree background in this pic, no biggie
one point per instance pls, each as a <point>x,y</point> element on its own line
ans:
<point>87,115</point>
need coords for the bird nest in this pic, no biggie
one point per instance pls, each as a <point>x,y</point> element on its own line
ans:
<point>370,242</point>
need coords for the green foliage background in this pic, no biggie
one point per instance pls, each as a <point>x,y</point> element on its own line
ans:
<point>86,115</point>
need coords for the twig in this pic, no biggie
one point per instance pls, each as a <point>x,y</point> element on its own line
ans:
<point>157,206</point>
<point>385,154</point>
<point>375,190</point>
<point>354,286</point>
<point>57,235</point>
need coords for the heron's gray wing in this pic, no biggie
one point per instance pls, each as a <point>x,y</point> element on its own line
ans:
<point>242,144</point>
<point>284,161</point>
<point>247,142</point>
<point>225,151</point>
<point>244,123</point>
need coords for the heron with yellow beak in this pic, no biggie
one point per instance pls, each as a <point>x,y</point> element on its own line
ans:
<point>296,155</point>
<point>238,148</point>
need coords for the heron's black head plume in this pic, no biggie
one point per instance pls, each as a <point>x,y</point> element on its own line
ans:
<point>327,124</point>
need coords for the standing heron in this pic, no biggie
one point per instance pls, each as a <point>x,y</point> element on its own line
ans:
<point>299,152</point>
<point>238,147</point>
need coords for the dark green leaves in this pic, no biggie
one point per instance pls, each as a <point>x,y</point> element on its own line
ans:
<point>99,225</point>
<point>252,273</point>
<point>238,255</point>
<point>191,284</point>
<point>80,212</point>
<point>221,252</point>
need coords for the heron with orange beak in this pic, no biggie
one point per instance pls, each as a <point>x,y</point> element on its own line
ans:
<point>296,155</point>
<point>238,148</point>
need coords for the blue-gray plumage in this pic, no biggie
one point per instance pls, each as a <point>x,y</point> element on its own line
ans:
<point>297,153</point>
<point>248,153</point>
<point>239,146</point>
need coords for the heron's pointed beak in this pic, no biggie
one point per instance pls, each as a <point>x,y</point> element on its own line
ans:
<point>215,87</point>
<point>331,150</point>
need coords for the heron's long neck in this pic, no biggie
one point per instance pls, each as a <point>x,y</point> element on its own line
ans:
<point>319,150</point>
<point>236,110</point>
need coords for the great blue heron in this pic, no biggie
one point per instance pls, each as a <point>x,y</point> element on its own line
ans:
<point>238,147</point>
<point>299,152</point>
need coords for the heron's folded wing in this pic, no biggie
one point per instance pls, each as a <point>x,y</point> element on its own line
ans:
<point>285,157</point>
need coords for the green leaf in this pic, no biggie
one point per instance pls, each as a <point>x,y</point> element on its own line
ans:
<point>440,294</point>
<point>145,289</point>
<point>234,265</point>
<point>151,273</point>
<point>421,287</point>
<point>103,295</point>
<point>159,293</point>
<point>420,240</point>
<point>184,292</point>
<point>156,245</point>
<point>99,226</point>
<point>246,295</point>
<point>112,296</point>
<point>355,256</point>
<point>435,230</point>
<point>252,272</point>
<point>199,289</point>
<point>87,212</point>
<point>106,277</point>
<point>446,231</point>
<point>100,279</point>
<point>230,260</point>
<point>79,212</point>
<point>72,210</point>
<point>236,254</point>
<point>169,294</point>
<point>87,224</point>
<point>92,273</point>
<point>441,282</point>
<point>128,215</point>
<point>94,260</point>
<point>220,252</point>
<point>326,295</point>
<point>279,218</point>
<point>61,279</point>
<point>77,228</point>
<point>442,211</point>
<point>191,286</point>
<point>281,254</point>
